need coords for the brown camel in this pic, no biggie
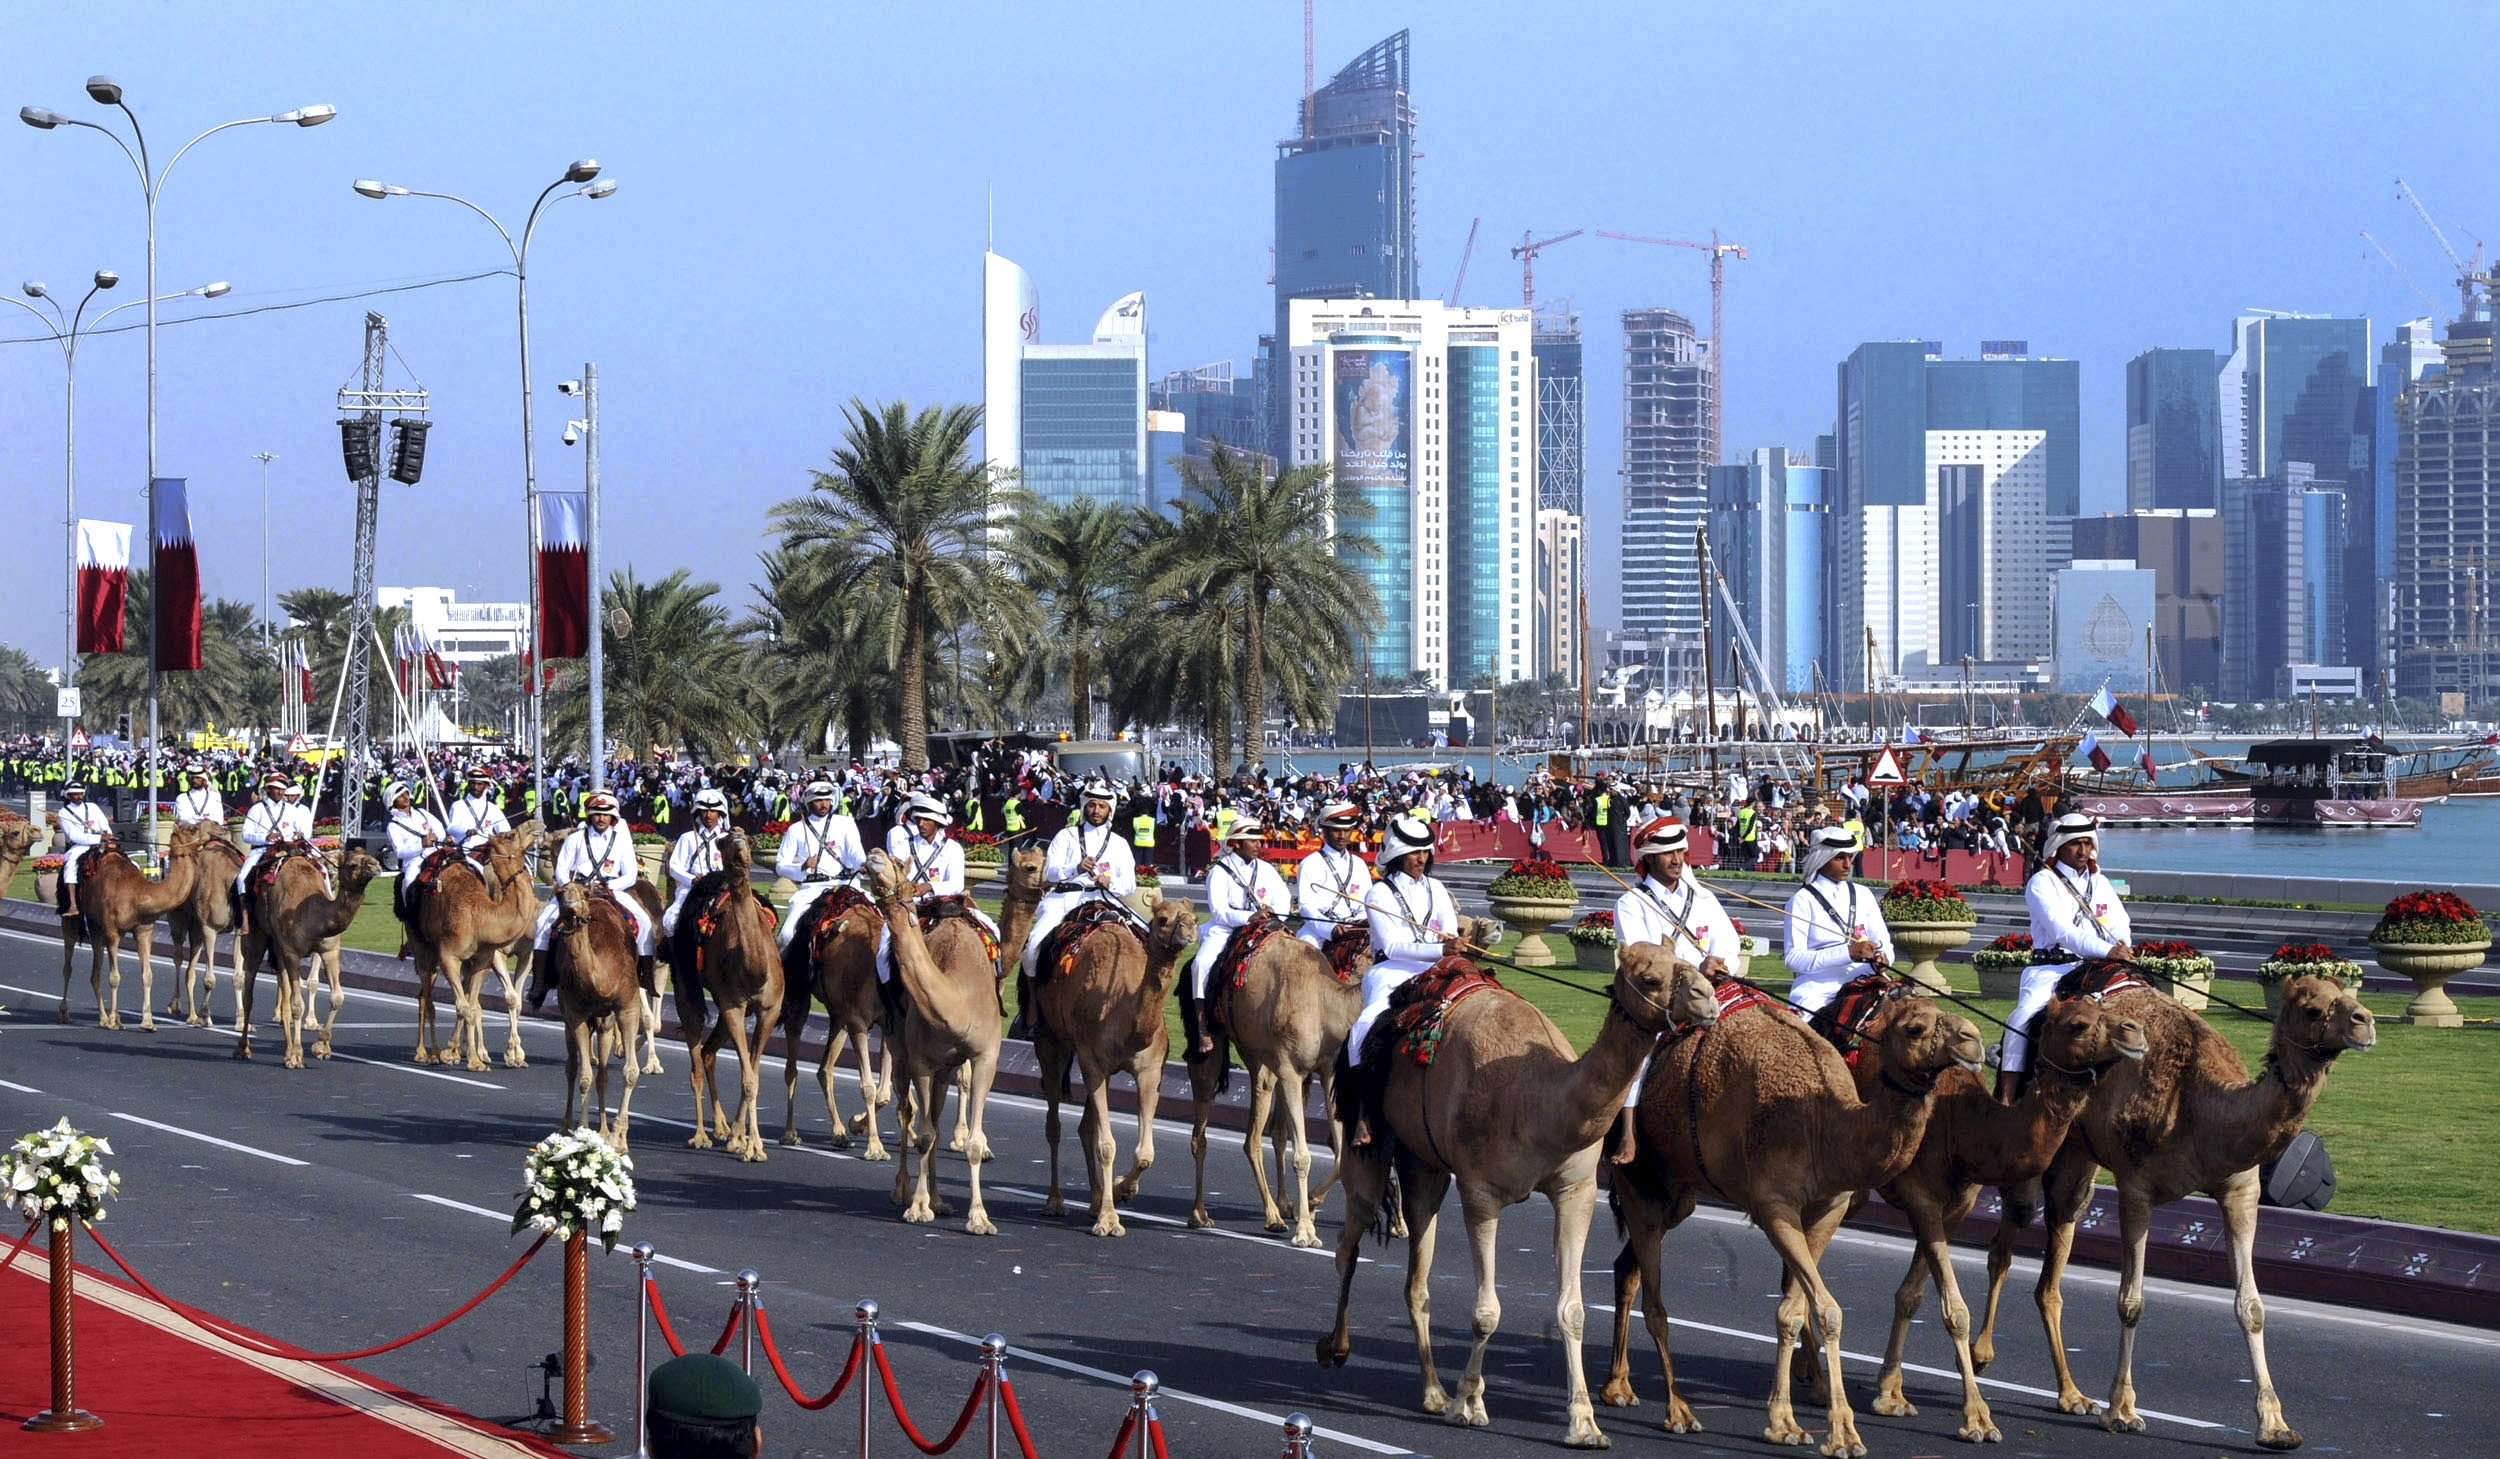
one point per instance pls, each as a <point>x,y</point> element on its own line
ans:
<point>17,841</point>
<point>464,928</point>
<point>2186,1117</point>
<point>1973,1140</point>
<point>1104,1015</point>
<point>299,918</point>
<point>1506,1111</point>
<point>741,972</point>
<point>599,989</point>
<point>1288,1017</point>
<point>1763,1113</point>
<point>116,900</point>
<point>213,909</point>
<point>843,976</point>
<point>948,1023</point>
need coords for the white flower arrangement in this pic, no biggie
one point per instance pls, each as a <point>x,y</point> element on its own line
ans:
<point>58,1174</point>
<point>576,1181</point>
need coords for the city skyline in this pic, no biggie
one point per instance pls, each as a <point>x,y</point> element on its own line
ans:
<point>726,358</point>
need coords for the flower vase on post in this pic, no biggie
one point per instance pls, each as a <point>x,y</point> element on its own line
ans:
<point>2001,965</point>
<point>1927,919</point>
<point>1594,942</point>
<point>2430,937</point>
<point>57,1178</point>
<point>1532,896</point>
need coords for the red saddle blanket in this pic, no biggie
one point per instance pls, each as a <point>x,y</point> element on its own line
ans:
<point>1348,950</point>
<point>1233,963</point>
<point>2098,977</point>
<point>824,917</point>
<point>933,910</point>
<point>1842,1022</point>
<point>1734,998</point>
<point>1419,1008</point>
<point>1058,950</point>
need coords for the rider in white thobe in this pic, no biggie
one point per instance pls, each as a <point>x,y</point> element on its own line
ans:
<point>1672,909</point>
<point>274,820</point>
<point>932,859</point>
<point>414,831</point>
<point>600,850</point>
<point>200,802</point>
<point>1087,860</point>
<point>695,854</point>
<point>819,849</point>
<point>1414,924</point>
<point>1332,882</point>
<point>86,826</point>
<point>2074,911</point>
<point>1241,885</point>
<point>1835,927</point>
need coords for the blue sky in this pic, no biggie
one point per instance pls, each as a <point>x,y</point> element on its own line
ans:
<point>804,189</point>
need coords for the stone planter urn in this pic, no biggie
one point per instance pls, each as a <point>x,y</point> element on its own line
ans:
<point>2430,965</point>
<point>47,887</point>
<point>1595,957</point>
<point>654,861</point>
<point>980,873</point>
<point>2001,977</point>
<point>1923,942</point>
<point>1531,920</point>
<point>1142,901</point>
<point>2188,981</point>
<point>2346,973</point>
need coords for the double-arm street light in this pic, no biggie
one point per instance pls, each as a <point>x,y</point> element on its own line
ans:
<point>106,91</point>
<point>579,177</point>
<point>67,330</point>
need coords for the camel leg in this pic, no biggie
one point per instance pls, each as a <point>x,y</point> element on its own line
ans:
<point>1305,1217</point>
<point>1572,1209</point>
<point>2239,1218</point>
<point>1483,1217</point>
<point>1424,1192</point>
<point>1054,1059</point>
<point>69,953</point>
<point>581,1052</point>
<point>2069,1189</point>
<point>631,1016</point>
<point>1983,1343</point>
<point>1101,1150</point>
<point>921,1136</point>
<point>984,1071</point>
<point>2135,1219</point>
<point>793,1021</point>
<point>427,967</point>
<point>1812,1301</point>
<point>1889,1399</point>
<point>1147,1076</point>
<point>1978,1424</point>
<point>1201,1106</point>
<point>242,1023</point>
<point>146,937</point>
<point>745,1140</point>
<point>246,983</point>
<point>1618,1392</point>
<point>106,966</point>
<point>874,1092</point>
<point>513,1055</point>
<point>292,998</point>
<point>1253,1138</point>
<point>1364,1179</point>
<point>661,977</point>
<point>906,1111</point>
<point>326,965</point>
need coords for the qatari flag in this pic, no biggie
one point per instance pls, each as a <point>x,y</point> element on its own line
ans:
<point>103,584</point>
<point>563,576</point>
<point>177,585</point>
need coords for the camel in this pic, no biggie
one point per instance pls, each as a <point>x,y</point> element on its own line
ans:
<point>843,976</point>
<point>212,909</point>
<point>1105,1016</point>
<point>1763,1113</point>
<point>1505,1111</point>
<point>465,927</point>
<point>599,989</point>
<point>949,1022</point>
<point>1973,1140</point>
<point>2187,1117</point>
<point>741,971</point>
<point>116,899</point>
<point>17,841</point>
<point>299,918</point>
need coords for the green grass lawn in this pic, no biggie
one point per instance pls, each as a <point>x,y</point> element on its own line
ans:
<point>2408,1123</point>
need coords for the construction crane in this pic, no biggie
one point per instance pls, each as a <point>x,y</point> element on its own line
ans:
<point>2402,272</point>
<point>1529,247</point>
<point>1464,255</point>
<point>1718,252</point>
<point>2469,277</point>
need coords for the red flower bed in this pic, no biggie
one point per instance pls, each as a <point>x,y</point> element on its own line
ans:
<point>2171,949</point>
<point>2432,917</point>
<point>2011,942</point>
<point>1921,890</point>
<point>2305,952</point>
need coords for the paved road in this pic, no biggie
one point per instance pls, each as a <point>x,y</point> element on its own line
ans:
<point>352,1201</point>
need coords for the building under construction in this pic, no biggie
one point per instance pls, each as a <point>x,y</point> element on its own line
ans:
<point>2448,522</point>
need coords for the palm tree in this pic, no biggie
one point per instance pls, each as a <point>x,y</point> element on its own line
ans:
<point>1177,649</point>
<point>814,671</point>
<point>26,690</point>
<point>908,508</point>
<point>216,692</point>
<point>673,669</point>
<point>240,623</point>
<point>1268,548</point>
<point>1077,559</point>
<point>489,690</point>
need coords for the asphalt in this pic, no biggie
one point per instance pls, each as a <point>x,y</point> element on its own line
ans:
<point>353,1201</point>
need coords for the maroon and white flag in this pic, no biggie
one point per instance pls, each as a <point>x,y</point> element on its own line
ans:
<point>302,665</point>
<point>177,586</point>
<point>438,670</point>
<point>103,584</point>
<point>563,576</point>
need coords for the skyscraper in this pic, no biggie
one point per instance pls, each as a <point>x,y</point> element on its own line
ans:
<point>2284,365</point>
<point>1011,318</point>
<point>2283,583</point>
<point>2447,524</point>
<point>1668,383</point>
<point>1425,414</point>
<point>2182,548</point>
<point>1345,197</point>
<point>1082,433</point>
<point>1560,454</point>
<point>1767,522</point>
<point>2174,431</point>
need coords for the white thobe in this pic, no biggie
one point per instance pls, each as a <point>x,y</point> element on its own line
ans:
<point>201,804</point>
<point>2080,916</point>
<point>1641,915</point>
<point>1238,889</point>
<point>268,823</point>
<point>691,857</point>
<point>815,852</point>
<point>474,818</point>
<point>606,857</point>
<point>940,863</point>
<point>411,831</point>
<point>1409,917</point>
<point>1332,886</point>
<point>1114,876</point>
<point>1824,917</point>
<point>86,826</point>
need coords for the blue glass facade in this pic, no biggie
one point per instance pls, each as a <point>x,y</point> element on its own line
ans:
<point>1768,518</point>
<point>1473,432</point>
<point>2283,585</point>
<point>2174,431</point>
<point>2015,395</point>
<point>1082,420</point>
<point>1808,549</point>
<point>2302,396</point>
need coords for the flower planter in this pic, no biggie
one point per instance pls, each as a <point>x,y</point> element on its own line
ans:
<point>1923,943</point>
<point>980,873</point>
<point>47,887</point>
<point>2001,979</point>
<point>2186,980</point>
<point>1595,957</point>
<point>1531,920</point>
<point>2274,976</point>
<point>2430,965</point>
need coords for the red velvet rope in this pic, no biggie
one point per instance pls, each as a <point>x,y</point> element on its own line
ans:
<point>894,1399</point>
<point>730,1331</point>
<point>772,1354</point>
<point>1154,1432</point>
<point>31,1228</point>
<point>1128,1427</point>
<point>659,1309</point>
<point>1015,1417</point>
<point>210,1323</point>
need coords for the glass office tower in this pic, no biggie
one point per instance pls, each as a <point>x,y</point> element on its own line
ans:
<point>2174,431</point>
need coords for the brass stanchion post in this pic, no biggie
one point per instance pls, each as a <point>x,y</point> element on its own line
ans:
<point>866,1312</point>
<point>1142,1395</point>
<point>64,1416</point>
<point>994,1366</point>
<point>643,1252</point>
<point>578,1427</point>
<point>748,1282</point>
<point>1297,1436</point>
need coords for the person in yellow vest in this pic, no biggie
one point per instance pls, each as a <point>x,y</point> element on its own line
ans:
<point>1011,815</point>
<point>1142,832</point>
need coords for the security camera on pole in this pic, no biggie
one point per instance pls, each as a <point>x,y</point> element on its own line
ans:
<point>585,432</point>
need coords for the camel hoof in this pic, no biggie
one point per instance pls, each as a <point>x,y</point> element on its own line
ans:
<point>1847,1446</point>
<point>1468,1413</point>
<point>2126,1421</point>
<point>321,1051</point>
<point>515,1059</point>
<point>944,1208</point>
<point>1585,1434</point>
<point>1893,1405</point>
<point>919,1214</point>
<point>63,1015</point>
<point>1125,1193</point>
<point>980,1224</point>
<point>1979,1429</point>
<point>1618,1393</point>
<point>148,1024</point>
<point>1110,1225</point>
<point>108,1020</point>
<point>2076,1403</point>
<point>2278,1438</point>
<point>1332,1351</point>
<point>699,1141</point>
<point>1274,1222</point>
<point>1306,1237</point>
<point>956,1144</point>
<point>243,1051</point>
<point>1436,1401</point>
<point>1680,1418</point>
<point>422,1056</point>
<point>1983,1351</point>
<point>1788,1434</point>
<point>1057,1205</point>
<point>1199,1220</point>
<point>790,1137</point>
<point>876,1152</point>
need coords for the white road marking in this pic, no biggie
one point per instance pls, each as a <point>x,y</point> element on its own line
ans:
<point>20,1088</point>
<point>413,1069</point>
<point>506,1218</point>
<point>209,1139</point>
<point>1274,1421</point>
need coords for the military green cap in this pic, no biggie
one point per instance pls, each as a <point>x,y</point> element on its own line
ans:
<point>704,1386</point>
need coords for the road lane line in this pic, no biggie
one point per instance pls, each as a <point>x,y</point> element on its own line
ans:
<point>20,1088</point>
<point>506,1218</point>
<point>209,1139</point>
<point>1274,1421</point>
<point>413,1069</point>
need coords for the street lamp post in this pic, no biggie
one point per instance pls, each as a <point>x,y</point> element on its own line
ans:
<point>264,458</point>
<point>106,91</point>
<point>579,177</point>
<point>67,330</point>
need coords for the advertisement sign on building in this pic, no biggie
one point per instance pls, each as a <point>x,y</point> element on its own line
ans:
<point>1375,413</point>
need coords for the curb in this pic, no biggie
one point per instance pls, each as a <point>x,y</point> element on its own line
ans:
<point>2383,1266</point>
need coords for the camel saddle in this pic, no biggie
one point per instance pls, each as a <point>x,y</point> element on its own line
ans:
<point>933,910</point>
<point>2099,978</point>
<point>1058,950</point>
<point>1842,1022</point>
<point>1734,998</point>
<point>1419,1010</point>
<point>409,904</point>
<point>707,901</point>
<point>1232,967</point>
<point>1346,949</point>
<point>816,927</point>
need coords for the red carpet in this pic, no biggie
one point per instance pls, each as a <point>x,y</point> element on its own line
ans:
<point>163,1387</point>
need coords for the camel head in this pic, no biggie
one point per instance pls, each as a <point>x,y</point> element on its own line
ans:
<point>188,839</point>
<point>2083,1034</point>
<point>1024,873</point>
<point>16,839</point>
<point>2320,1016</point>
<point>885,876</point>
<point>505,850</point>
<point>1482,931</point>
<point>572,905</point>
<point>737,853</point>
<point>1917,1041</point>
<point>1657,992</point>
<point>1172,928</point>
<point>357,869</point>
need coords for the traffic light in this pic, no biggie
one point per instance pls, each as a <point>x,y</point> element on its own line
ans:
<point>408,449</point>
<point>121,724</point>
<point>361,441</point>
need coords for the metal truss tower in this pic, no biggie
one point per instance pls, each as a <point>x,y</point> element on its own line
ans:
<point>370,404</point>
